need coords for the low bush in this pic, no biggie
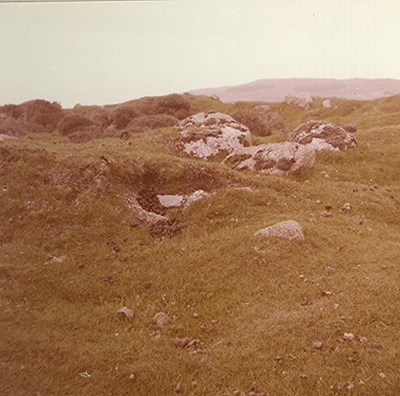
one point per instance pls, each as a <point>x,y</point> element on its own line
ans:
<point>73,123</point>
<point>260,123</point>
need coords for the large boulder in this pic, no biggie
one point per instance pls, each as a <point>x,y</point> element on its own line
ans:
<point>289,229</point>
<point>274,158</point>
<point>323,135</point>
<point>206,135</point>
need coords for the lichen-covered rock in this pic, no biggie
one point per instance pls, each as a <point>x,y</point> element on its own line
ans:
<point>206,135</point>
<point>323,135</point>
<point>274,158</point>
<point>289,229</point>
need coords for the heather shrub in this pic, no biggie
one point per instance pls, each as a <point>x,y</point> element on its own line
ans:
<point>11,126</point>
<point>42,112</point>
<point>147,122</point>
<point>73,123</point>
<point>122,115</point>
<point>33,116</point>
<point>174,102</point>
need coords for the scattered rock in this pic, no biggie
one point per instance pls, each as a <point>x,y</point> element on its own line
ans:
<point>274,158</point>
<point>85,374</point>
<point>382,375</point>
<point>322,135</point>
<point>57,260</point>
<point>161,319</point>
<point>199,194</point>
<point>206,135</point>
<point>125,312</point>
<point>289,229</point>
<point>317,344</point>
<point>178,388</point>
<point>363,339</point>
<point>170,201</point>
<point>327,293</point>
<point>185,342</point>
<point>299,100</point>
<point>132,377</point>
<point>6,137</point>
<point>327,103</point>
<point>347,207</point>
<point>349,336</point>
<point>143,216</point>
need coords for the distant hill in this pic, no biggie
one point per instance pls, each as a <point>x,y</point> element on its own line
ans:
<point>275,90</point>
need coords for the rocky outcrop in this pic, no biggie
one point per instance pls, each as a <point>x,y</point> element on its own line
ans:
<point>206,135</point>
<point>289,229</point>
<point>274,158</point>
<point>323,135</point>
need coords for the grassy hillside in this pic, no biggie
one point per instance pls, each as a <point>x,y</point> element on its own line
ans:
<point>71,256</point>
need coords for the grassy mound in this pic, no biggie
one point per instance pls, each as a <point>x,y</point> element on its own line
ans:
<point>71,256</point>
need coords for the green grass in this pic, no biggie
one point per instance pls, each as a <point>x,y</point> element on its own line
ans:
<point>259,302</point>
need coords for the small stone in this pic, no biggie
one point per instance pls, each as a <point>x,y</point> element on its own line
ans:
<point>108,278</point>
<point>289,229</point>
<point>132,377</point>
<point>363,339</point>
<point>57,260</point>
<point>178,388</point>
<point>85,374</point>
<point>170,201</point>
<point>349,386</point>
<point>317,344</point>
<point>327,293</point>
<point>347,207</point>
<point>185,342</point>
<point>253,387</point>
<point>349,336</point>
<point>328,207</point>
<point>382,375</point>
<point>378,345</point>
<point>161,319</point>
<point>336,306</point>
<point>147,285</point>
<point>327,214</point>
<point>125,312</point>
<point>330,269</point>
<point>303,376</point>
<point>195,315</point>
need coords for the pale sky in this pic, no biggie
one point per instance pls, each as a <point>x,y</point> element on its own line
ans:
<point>99,52</point>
